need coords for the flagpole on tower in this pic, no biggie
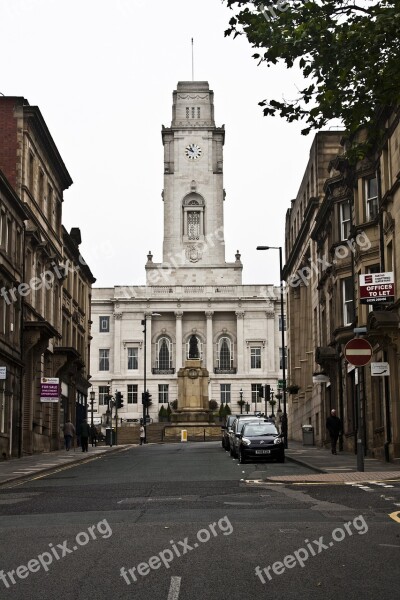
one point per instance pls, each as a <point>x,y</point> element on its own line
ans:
<point>192,60</point>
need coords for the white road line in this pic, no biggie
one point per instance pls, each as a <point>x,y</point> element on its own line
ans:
<point>174,588</point>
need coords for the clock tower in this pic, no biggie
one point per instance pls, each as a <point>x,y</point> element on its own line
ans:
<point>193,195</point>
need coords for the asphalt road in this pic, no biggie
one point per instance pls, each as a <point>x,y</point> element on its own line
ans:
<point>187,522</point>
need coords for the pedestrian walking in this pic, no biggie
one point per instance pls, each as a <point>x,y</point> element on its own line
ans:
<point>142,435</point>
<point>69,432</point>
<point>84,434</point>
<point>334,426</point>
<point>93,434</point>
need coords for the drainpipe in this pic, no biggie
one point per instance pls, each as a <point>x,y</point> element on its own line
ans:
<point>21,341</point>
<point>388,422</point>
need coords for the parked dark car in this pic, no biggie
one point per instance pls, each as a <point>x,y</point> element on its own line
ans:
<point>236,427</point>
<point>225,429</point>
<point>260,441</point>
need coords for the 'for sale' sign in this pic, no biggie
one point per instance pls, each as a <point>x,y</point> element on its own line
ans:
<point>376,287</point>
<point>49,389</point>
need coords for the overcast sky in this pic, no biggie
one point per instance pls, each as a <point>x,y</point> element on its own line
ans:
<point>102,73</point>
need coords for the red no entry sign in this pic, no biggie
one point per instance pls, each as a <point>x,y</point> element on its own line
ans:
<point>358,352</point>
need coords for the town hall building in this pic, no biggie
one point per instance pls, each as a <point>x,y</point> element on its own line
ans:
<point>192,291</point>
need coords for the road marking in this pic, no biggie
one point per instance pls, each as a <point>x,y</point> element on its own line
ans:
<point>174,588</point>
<point>331,543</point>
<point>389,545</point>
<point>395,516</point>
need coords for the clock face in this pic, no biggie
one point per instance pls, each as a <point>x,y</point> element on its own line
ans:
<point>193,151</point>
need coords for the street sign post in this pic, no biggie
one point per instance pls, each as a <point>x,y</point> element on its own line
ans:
<point>358,352</point>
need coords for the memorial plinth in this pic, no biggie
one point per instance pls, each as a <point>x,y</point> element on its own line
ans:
<point>193,407</point>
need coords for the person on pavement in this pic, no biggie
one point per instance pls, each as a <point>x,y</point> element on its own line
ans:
<point>142,434</point>
<point>69,432</point>
<point>84,434</point>
<point>334,426</point>
<point>93,435</point>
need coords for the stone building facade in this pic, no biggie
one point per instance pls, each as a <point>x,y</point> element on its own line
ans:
<point>192,291</point>
<point>12,217</point>
<point>35,170</point>
<point>71,359</point>
<point>353,233</point>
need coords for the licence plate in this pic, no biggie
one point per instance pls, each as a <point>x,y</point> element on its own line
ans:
<point>263,451</point>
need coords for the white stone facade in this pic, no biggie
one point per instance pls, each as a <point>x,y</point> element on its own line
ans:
<point>192,291</point>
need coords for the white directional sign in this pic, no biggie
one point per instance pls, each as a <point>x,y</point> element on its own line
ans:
<point>380,369</point>
<point>3,372</point>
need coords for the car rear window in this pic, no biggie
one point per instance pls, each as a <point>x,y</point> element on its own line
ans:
<point>259,429</point>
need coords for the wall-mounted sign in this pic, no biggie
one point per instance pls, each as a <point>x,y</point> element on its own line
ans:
<point>376,287</point>
<point>3,372</point>
<point>49,389</point>
<point>320,378</point>
<point>380,369</point>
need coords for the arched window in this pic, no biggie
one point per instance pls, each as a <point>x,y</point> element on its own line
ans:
<point>193,220</point>
<point>199,345</point>
<point>164,353</point>
<point>193,217</point>
<point>225,353</point>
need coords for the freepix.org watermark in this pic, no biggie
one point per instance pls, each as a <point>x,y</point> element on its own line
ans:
<point>320,265</point>
<point>56,552</point>
<point>178,549</point>
<point>270,12</point>
<point>313,548</point>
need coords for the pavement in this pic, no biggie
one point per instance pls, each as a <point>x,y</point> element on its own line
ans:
<point>339,468</point>
<point>327,468</point>
<point>17,469</point>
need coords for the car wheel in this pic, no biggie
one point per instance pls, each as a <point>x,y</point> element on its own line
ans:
<point>281,459</point>
<point>242,458</point>
<point>223,444</point>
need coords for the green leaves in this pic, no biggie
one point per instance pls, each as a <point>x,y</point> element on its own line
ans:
<point>350,53</point>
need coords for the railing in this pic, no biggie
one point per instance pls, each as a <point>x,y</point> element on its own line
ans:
<point>163,371</point>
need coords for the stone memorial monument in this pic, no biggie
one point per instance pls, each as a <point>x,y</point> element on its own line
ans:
<point>193,408</point>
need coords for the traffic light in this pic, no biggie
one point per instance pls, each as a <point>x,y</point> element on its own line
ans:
<point>107,396</point>
<point>119,400</point>
<point>267,391</point>
<point>261,391</point>
<point>148,398</point>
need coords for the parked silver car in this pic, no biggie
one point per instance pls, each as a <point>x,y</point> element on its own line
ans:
<point>236,427</point>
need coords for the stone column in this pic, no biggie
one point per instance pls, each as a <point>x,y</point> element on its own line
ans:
<point>269,363</point>
<point>148,344</point>
<point>178,335</point>
<point>240,341</point>
<point>210,354</point>
<point>117,342</point>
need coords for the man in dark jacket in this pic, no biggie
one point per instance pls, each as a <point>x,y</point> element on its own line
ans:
<point>334,426</point>
<point>85,433</point>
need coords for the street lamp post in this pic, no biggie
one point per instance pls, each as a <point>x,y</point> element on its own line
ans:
<point>284,416</point>
<point>144,323</point>
<point>241,400</point>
